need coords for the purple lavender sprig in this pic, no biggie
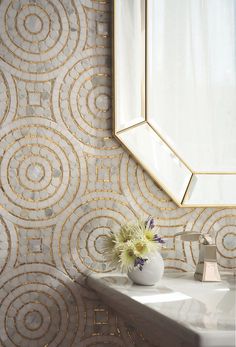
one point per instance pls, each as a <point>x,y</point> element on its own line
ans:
<point>158,239</point>
<point>149,223</point>
<point>139,262</point>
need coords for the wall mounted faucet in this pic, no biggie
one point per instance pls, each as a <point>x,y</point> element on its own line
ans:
<point>207,268</point>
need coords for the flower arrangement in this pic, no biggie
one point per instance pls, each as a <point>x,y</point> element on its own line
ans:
<point>132,245</point>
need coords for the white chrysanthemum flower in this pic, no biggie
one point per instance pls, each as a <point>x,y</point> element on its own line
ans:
<point>141,247</point>
<point>110,252</point>
<point>108,243</point>
<point>114,258</point>
<point>128,232</point>
<point>127,256</point>
<point>149,235</point>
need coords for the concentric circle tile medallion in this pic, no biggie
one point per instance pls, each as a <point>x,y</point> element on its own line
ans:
<point>41,170</point>
<point>79,234</point>
<point>83,102</point>
<point>39,307</point>
<point>38,37</point>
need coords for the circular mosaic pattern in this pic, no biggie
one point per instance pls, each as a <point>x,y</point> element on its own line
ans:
<point>66,185</point>
<point>85,227</point>
<point>29,321</point>
<point>4,97</point>
<point>41,172</point>
<point>102,103</point>
<point>33,318</point>
<point>229,240</point>
<point>40,36</point>
<point>226,243</point>
<point>4,245</point>
<point>8,246</point>
<point>83,103</point>
<point>40,308</point>
<point>7,97</point>
<point>33,23</point>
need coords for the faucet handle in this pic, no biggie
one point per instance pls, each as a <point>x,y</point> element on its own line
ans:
<point>206,239</point>
<point>195,236</point>
<point>189,235</point>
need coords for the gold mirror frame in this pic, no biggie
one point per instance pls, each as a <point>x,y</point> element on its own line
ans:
<point>133,128</point>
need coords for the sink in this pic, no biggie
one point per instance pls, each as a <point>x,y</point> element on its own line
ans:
<point>178,312</point>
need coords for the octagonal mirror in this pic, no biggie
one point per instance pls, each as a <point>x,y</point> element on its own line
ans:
<point>175,95</point>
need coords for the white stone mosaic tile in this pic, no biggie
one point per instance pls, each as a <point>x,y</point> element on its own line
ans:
<point>65,182</point>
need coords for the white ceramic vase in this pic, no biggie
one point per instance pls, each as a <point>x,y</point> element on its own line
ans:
<point>151,273</point>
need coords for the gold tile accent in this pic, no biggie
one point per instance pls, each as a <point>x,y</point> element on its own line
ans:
<point>52,220</point>
<point>34,245</point>
<point>101,316</point>
<point>103,171</point>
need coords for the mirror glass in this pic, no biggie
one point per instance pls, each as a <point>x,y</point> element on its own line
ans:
<point>175,94</point>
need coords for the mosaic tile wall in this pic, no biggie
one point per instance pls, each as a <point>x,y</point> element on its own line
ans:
<point>65,182</point>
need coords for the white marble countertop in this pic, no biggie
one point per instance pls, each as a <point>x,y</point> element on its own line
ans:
<point>177,312</point>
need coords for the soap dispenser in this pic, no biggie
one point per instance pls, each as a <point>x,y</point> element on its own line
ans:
<point>207,268</point>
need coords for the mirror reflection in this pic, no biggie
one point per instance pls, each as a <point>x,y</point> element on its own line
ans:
<point>192,80</point>
<point>174,89</point>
